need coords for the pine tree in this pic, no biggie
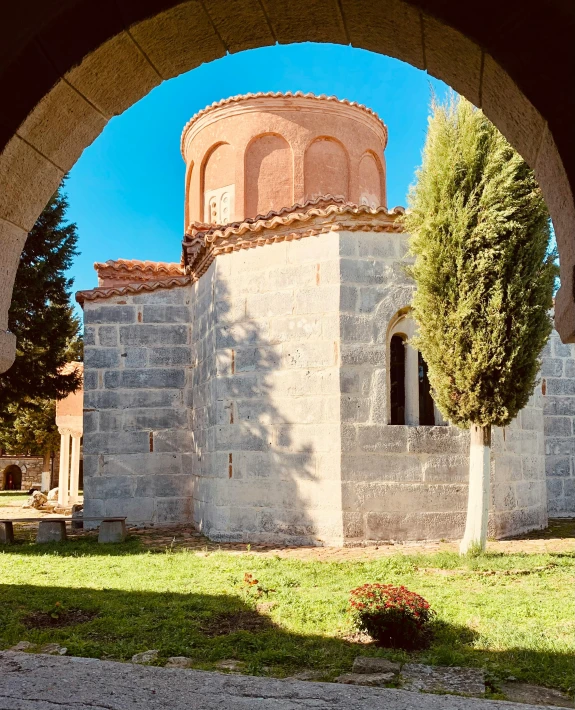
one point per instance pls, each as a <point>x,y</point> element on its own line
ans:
<point>41,315</point>
<point>484,272</point>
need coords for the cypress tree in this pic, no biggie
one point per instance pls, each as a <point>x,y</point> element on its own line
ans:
<point>484,272</point>
<point>41,315</point>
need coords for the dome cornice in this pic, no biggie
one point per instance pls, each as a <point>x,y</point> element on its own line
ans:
<point>272,99</point>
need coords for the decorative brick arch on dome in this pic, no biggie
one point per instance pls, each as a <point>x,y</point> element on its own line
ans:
<point>371,181</point>
<point>268,175</point>
<point>65,71</point>
<point>217,184</point>
<point>326,169</point>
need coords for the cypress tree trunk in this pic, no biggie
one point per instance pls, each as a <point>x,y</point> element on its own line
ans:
<point>475,536</point>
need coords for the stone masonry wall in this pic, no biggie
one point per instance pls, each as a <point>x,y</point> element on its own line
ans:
<point>136,354</point>
<point>272,466</point>
<point>202,462</point>
<point>410,482</point>
<point>558,380</point>
<point>31,467</point>
<point>254,403</point>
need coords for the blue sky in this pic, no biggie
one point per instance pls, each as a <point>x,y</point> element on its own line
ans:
<point>126,191</point>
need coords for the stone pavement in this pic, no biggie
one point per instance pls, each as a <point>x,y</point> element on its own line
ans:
<point>39,682</point>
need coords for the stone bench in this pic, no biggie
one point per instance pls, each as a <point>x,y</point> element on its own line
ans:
<point>54,529</point>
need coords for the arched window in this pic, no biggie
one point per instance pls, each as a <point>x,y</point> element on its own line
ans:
<point>410,398</point>
<point>397,379</point>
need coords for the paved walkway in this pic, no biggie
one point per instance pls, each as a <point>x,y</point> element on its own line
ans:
<point>37,682</point>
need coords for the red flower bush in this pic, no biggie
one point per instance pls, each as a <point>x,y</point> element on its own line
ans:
<point>393,616</point>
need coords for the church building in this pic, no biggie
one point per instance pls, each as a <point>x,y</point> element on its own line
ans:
<point>264,389</point>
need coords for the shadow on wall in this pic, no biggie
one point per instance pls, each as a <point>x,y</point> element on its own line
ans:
<point>255,480</point>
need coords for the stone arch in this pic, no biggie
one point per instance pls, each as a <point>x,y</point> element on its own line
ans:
<point>268,174</point>
<point>401,326</point>
<point>370,180</point>
<point>217,177</point>
<point>419,407</point>
<point>12,478</point>
<point>326,169</point>
<point>58,95</point>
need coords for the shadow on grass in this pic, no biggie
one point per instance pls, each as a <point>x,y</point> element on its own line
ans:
<point>212,627</point>
<point>85,546</point>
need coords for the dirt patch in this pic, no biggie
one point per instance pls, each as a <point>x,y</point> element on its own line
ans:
<point>224,624</point>
<point>358,637</point>
<point>49,620</point>
<point>557,538</point>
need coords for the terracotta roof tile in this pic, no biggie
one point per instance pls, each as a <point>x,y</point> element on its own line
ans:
<point>204,242</point>
<point>129,289</point>
<point>133,267</point>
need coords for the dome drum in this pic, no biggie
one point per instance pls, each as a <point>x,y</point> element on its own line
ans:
<point>249,155</point>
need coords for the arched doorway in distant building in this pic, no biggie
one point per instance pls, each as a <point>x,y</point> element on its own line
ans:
<point>12,478</point>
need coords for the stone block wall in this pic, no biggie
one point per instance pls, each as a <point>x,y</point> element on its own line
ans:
<point>410,482</point>
<point>558,382</point>
<point>137,350</point>
<point>255,404</point>
<point>268,468</point>
<point>31,467</point>
<point>518,498</point>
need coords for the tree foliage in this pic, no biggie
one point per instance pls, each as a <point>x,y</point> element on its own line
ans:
<point>484,270</point>
<point>31,431</point>
<point>41,316</point>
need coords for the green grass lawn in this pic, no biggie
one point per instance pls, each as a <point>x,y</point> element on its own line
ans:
<point>13,498</point>
<point>510,614</point>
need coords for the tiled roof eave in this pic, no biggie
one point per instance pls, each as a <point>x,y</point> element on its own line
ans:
<point>201,247</point>
<point>102,292</point>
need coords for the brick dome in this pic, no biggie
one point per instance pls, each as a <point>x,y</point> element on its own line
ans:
<point>250,154</point>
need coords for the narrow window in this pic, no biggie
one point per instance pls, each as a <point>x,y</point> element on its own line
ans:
<point>397,379</point>
<point>426,408</point>
<point>213,207</point>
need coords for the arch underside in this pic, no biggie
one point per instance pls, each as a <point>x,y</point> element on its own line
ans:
<point>66,70</point>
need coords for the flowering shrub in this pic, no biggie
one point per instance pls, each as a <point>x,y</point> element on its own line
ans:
<point>393,616</point>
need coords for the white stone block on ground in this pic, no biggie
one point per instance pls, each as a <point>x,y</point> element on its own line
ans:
<point>368,664</point>
<point>145,656</point>
<point>51,531</point>
<point>112,531</point>
<point>53,649</point>
<point>536,694</point>
<point>429,679</point>
<point>179,662</point>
